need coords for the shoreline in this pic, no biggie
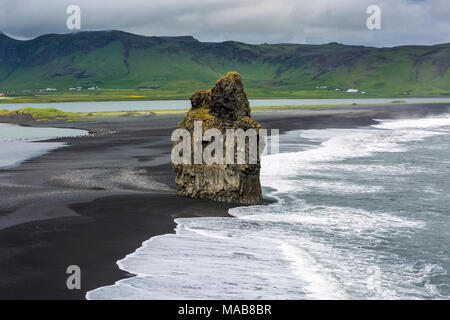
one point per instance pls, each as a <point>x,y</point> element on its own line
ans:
<point>49,100</point>
<point>96,220</point>
<point>33,144</point>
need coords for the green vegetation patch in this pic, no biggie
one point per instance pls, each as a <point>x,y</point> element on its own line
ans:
<point>398,101</point>
<point>117,66</point>
<point>40,114</point>
<point>55,114</point>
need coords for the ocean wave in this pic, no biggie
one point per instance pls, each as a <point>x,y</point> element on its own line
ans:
<point>326,237</point>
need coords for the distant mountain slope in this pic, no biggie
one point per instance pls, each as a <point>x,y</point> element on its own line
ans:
<point>115,59</point>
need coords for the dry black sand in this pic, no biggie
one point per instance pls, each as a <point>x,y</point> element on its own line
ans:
<point>96,200</point>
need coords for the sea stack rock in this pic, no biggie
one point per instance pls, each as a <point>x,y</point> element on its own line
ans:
<point>225,106</point>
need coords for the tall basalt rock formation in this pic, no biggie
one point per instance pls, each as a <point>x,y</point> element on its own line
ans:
<point>225,106</point>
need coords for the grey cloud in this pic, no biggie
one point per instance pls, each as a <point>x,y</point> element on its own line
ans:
<point>252,21</point>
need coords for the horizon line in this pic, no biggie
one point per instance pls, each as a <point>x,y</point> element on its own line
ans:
<point>225,41</point>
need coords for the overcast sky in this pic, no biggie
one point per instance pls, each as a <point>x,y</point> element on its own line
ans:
<point>251,21</point>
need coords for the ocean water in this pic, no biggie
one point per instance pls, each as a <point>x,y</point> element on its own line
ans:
<point>18,143</point>
<point>108,106</point>
<point>360,214</point>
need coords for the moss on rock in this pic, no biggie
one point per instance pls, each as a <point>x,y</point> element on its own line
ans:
<point>225,106</point>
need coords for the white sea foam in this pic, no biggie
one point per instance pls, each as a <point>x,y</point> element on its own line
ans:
<point>328,217</point>
<point>339,145</point>
<point>319,284</point>
<point>302,246</point>
<point>194,264</point>
<point>425,123</point>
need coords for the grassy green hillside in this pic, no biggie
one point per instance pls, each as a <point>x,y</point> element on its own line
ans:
<point>129,66</point>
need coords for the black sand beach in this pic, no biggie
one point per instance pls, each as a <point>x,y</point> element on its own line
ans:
<point>97,199</point>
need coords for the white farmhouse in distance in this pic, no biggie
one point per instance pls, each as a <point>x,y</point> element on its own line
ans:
<point>352,90</point>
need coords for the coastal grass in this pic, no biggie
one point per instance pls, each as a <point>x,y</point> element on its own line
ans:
<point>55,114</point>
<point>288,107</point>
<point>39,114</point>
<point>105,97</point>
<point>398,101</point>
<point>101,95</point>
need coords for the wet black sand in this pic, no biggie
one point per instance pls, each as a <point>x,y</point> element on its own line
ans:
<point>96,200</point>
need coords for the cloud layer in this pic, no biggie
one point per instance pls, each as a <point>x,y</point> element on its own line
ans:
<point>252,21</point>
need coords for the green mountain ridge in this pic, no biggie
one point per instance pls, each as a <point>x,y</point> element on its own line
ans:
<point>180,65</point>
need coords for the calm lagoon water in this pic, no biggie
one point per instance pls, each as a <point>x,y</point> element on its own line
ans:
<point>361,214</point>
<point>18,143</point>
<point>185,104</point>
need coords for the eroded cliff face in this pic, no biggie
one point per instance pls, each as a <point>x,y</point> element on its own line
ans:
<point>225,106</point>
